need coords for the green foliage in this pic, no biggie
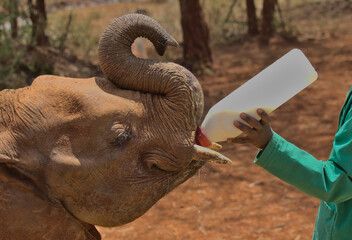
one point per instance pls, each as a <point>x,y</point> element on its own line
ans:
<point>225,23</point>
<point>56,28</point>
<point>11,51</point>
<point>18,65</point>
<point>80,39</point>
<point>9,59</point>
<point>18,61</point>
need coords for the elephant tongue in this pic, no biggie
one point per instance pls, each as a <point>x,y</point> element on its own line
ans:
<point>201,139</point>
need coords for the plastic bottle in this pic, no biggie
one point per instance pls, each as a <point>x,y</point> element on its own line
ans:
<point>267,90</point>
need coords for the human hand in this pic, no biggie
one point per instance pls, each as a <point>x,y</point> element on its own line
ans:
<point>260,132</point>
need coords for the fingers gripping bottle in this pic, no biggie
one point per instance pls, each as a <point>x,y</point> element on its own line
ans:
<point>267,90</point>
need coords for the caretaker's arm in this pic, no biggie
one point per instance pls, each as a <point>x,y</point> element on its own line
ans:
<point>329,181</point>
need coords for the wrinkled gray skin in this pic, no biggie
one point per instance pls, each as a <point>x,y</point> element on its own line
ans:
<point>101,151</point>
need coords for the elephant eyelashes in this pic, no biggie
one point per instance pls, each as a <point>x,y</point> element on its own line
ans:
<point>154,167</point>
<point>121,139</point>
<point>123,135</point>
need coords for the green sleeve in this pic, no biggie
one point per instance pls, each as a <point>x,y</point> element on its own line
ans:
<point>329,181</point>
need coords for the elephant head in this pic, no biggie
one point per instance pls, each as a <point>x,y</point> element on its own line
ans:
<point>107,149</point>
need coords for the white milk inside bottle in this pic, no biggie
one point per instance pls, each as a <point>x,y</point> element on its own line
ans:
<point>267,90</point>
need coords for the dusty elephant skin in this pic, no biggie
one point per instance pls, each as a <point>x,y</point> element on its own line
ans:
<point>75,153</point>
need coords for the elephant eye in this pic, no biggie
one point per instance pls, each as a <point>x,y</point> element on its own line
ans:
<point>121,139</point>
<point>123,135</point>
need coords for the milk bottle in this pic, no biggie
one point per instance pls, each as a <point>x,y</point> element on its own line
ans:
<point>267,90</point>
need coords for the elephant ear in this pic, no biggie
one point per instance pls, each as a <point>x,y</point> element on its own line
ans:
<point>176,84</point>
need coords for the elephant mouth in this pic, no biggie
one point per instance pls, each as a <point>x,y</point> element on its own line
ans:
<point>206,151</point>
<point>203,154</point>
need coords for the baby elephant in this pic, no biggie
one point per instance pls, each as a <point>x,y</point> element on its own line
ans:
<point>75,153</point>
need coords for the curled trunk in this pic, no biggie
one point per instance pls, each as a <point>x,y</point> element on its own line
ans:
<point>180,94</point>
<point>176,84</point>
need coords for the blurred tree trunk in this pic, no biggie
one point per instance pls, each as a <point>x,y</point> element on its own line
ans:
<point>229,13</point>
<point>37,15</point>
<point>13,7</point>
<point>196,50</point>
<point>252,21</point>
<point>267,27</point>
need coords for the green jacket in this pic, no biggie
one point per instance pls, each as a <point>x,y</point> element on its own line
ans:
<point>330,181</point>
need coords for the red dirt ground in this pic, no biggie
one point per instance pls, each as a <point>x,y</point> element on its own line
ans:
<point>243,201</point>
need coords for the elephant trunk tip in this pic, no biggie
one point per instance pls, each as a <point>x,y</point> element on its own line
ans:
<point>161,48</point>
<point>172,42</point>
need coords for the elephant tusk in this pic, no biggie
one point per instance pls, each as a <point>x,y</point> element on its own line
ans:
<point>214,146</point>
<point>203,154</point>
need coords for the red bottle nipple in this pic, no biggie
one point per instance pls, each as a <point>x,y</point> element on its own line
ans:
<point>201,139</point>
